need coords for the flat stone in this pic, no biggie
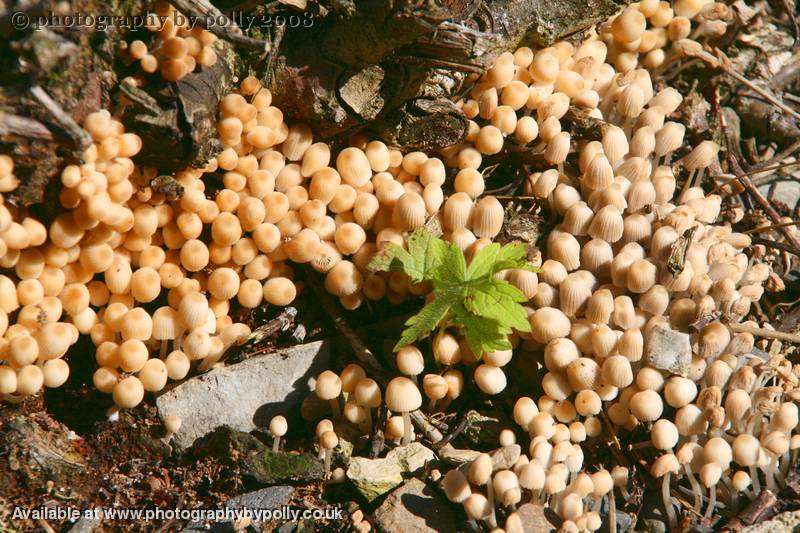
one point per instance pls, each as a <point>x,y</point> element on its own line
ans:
<point>411,458</point>
<point>86,524</point>
<point>268,467</point>
<point>246,395</point>
<point>505,457</point>
<point>533,519</point>
<point>414,507</point>
<point>669,350</point>
<point>254,503</point>
<point>502,458</point>
<point>374,477</point>
<point>457,456</point>
<point>782,523</point>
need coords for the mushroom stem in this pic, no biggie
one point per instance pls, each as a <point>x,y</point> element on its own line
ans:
<point>327,463</point>
<point>665,495</point>
<point>276,444</point>
<point>335,409</point>
<point>406,429</point>
<point>597,503</point>
<point>785,461</point>
<point>368,420</point>
<point>432,406</point>
<point>712,501</point>
<point>696,488</point>
<point>612,512</point>
<point>491,520</point>
<point>162,353</point>
<point>754,478</point>
<point>770,471</point>
<point>624,492</point>
<point>536,496</point>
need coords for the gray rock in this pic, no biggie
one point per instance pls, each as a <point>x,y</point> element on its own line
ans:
<point>502,458</point>
<point>86,525</point>
<point>787,192</point>
<point>243,396</point>
<point>270,498</point>
<point>457,456</point>
<point>533,519</point>
<point>374,477</point>
<point>414,507</point>
<point>505,457</point>
<point>669,350</point>
<point>782,523</point>
<point>411,458</point>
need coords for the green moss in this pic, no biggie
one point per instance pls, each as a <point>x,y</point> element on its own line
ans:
<point>269,467</point>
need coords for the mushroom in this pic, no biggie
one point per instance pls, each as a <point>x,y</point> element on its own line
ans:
<point>709,476</point>
<point>328,441</point>
<point>278,426</point>
<point>435,387</point>
<point>367,394</point>
<point>480,473</point>
<point>329,387</point>
<point>172,424</point>
<point>663,467</point>
<point>402,396</point>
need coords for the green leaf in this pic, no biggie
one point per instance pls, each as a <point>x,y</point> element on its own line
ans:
<point>482,334</point>
<point>424,255</point>
<point>427,319</point>
<point>498,300</point>
<point>494,258</point>
<point>452,270</point>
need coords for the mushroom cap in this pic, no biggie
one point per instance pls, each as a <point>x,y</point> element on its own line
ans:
<point>456,487</point>
<point>402,395</point>
<point>329,440</point>
<point>490,379</point>
<point>480,469</point>
<point>410,361</point>
<point>665,464</point>
<point>368,393</point>
<point>328,385</point>
<point>278,426</point>
<point>165,323</point>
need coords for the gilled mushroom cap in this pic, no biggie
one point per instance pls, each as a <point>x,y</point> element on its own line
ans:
<point>328,385</point>
<point>665,464</point>
<point>746,449</point>
<point>477,506</point>
<point>402,395</point>
<point>368,393</point>
<point>329,440</point>
<point>165,323</point>
<point>480,470</point>
<point>456,487</point>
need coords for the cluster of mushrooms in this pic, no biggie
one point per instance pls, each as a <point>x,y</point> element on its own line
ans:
<point>178,48</point>
<point>151,273</point>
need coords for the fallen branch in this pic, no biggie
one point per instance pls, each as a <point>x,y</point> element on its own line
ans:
<point>80,137</point>
<point>29,128</point>
<point>765,333</point>
<point>777,245</point>
<point>229,31</point>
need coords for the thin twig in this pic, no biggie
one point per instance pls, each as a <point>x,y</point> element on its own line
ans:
<point>725,66</point>
<point>773,226</point>
<point>777,245</point>
<point>751,172</point>
<point>79,136</point>
<point>228,30</point>
<point>765,205</point>
<point>765,333</point>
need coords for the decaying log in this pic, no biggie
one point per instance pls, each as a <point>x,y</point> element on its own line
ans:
<point>394,67</point>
